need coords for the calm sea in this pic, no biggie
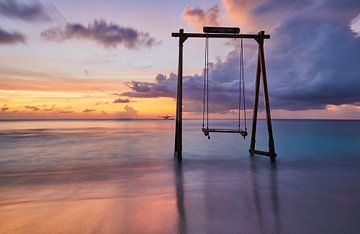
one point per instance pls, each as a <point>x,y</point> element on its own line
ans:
<point>120,176</point>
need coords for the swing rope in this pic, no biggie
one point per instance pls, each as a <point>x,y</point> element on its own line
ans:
<point>240,84</point>
<point>243,81</point>
<point>207,82</point>
<point>206,86</point>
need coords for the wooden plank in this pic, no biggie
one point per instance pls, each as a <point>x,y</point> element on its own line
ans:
<point>224,130</point>
<point>272,156</point>
<point>260,152</point>
<point>233,30</point>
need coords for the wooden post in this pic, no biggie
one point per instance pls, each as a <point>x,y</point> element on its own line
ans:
<point>261,72</point>
<point>178,130</point>
<point>256,104</point>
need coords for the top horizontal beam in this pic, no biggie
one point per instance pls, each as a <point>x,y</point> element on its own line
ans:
<point>220,35</point>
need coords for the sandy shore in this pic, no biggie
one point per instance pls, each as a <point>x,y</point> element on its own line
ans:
<point>248,196</point>
<point>121,178</point>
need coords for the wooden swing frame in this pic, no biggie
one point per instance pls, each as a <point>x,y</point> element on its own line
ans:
<point>260,74</point>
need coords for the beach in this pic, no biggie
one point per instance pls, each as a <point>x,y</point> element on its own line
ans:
<point>120,176</point>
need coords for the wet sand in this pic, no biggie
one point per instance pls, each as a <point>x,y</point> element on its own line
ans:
<point>250,196</point>
<point>209,192</point>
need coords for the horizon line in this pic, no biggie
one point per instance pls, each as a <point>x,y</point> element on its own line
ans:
<point>127,119</point>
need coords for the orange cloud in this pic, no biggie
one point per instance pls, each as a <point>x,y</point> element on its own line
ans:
<point>128,112</point>
<point>239,12</point>
<point>197,18</point>
<point>89,110</point>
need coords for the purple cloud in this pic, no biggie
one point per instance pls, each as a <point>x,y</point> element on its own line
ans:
<point>28,12</point>
<point>89,110</point>
<point>11,38</point>
<point>101,103</point>
<point>33,108</point>
<point>107,34</point>
<point>65,112</point>
<point>120,100</point>
<point>162,87</point>
<point>223,88</point>
<point>312,61</point>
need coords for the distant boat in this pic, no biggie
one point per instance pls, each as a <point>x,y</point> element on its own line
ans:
<point>167,117</point>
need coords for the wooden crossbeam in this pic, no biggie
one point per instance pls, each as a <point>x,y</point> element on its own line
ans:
<point>220,35</point>
<point>263,153</point>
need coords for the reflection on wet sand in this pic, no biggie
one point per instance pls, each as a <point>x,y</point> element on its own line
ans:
<point>275,198</point>
<point>180,198</point>
<point>275,227</point>
<point>211,201</point>
<point>136,199</point>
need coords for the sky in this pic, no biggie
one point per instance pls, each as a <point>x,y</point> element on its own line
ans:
<point>67,59</point>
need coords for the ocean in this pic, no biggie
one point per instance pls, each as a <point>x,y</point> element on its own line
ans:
<point>120,176</point>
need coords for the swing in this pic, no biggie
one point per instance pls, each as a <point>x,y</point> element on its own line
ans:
<point>205,118</point>
<point>225,32</point>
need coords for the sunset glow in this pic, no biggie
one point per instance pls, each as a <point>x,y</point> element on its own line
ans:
<point>189,117</point>
<point>66,65</point>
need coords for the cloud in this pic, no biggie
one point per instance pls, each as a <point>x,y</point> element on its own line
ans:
<point>27,12</point>
<point>109,35</point>
<point>65,112</point>
<point>197,18</point>
<point>223,87</point>
<point>11,37</point>
<point>50,108</point>
<point>162,87</point>
<point>312,61</point>
<point>314,57</point>
<point>120,100</point>
<point>128,112</point>
<point>89,110</point>
<point>101,103</point>
<point>239,12</point>
<point>4,108</point>
<point>33,108</point>
<point>355,25</point>
<point>256,15</point>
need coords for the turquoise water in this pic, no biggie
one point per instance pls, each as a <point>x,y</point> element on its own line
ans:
<point>314,187</point>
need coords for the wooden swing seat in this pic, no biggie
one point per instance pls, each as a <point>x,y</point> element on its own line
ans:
<point>206,131</point>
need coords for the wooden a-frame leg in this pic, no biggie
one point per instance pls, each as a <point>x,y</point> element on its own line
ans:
<point>272,153</point>
<point>178,129</point>
<point>256,104</point>
<point>261,72</point>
